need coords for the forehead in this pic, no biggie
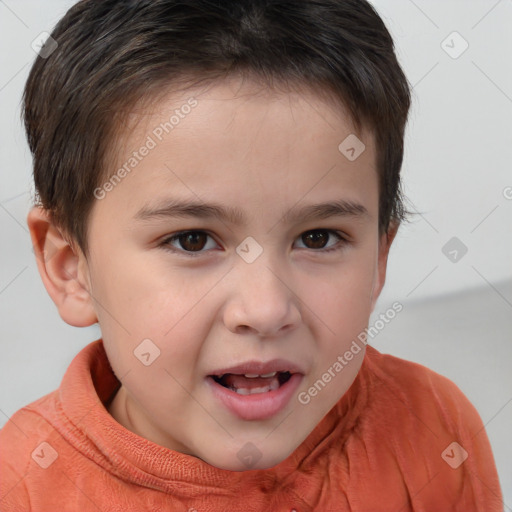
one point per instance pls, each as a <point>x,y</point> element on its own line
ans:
<point>241,144</point>
<point>233,100</point>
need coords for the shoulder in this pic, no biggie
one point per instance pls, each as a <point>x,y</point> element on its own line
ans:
<point>20,447</point>
<point>422,390</point>
<point>25,426</point>
<point>432,434</point>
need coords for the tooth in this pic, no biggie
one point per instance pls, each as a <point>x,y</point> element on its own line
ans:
<point>254,375</point>
<point>245,391</point>
<point>274,384</point>
<point>263,389</point>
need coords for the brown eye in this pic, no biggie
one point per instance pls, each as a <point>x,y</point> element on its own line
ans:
<point>195,243</point>
<point>192,241</point>
<point>187,242</point>
<point>317,239</point>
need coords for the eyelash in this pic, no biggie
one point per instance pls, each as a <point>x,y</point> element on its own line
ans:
<point>166,243</point>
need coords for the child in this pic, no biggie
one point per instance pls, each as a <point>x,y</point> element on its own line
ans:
<point>231,374</point>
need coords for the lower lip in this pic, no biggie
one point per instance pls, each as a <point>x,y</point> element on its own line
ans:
<point>259,406</point>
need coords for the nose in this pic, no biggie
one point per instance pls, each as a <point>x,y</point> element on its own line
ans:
<point>261,300</point>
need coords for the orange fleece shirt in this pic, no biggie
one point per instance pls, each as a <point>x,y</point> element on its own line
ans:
<point>385,446</point>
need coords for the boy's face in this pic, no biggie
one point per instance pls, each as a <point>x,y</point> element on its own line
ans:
<point>258,290</point>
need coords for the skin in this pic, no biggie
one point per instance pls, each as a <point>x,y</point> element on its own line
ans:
<point>267,154</point>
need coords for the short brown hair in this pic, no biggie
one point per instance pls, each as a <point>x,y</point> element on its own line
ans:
<point>112,53</point>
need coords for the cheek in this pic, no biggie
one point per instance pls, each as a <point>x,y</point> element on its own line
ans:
<point>164,305</point>
<point>341,311</point>
<point>149,297</point>
<point>340,303</point>
<point>344,287</point>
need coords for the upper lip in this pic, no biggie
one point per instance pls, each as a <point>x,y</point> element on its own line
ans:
<point>260,368</point>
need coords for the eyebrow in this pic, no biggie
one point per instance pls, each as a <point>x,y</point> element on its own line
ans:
<point>171,208</point>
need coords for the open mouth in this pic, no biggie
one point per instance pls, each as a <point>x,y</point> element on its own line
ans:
<point>255,396</point>
<point>250,384</point>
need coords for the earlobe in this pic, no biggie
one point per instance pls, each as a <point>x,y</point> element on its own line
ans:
<point>64,273</point>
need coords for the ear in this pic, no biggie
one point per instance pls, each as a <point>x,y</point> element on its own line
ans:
<point>385,242</point>
<point>63,269</point>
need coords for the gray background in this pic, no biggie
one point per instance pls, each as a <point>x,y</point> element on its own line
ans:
<point>457,316</point>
